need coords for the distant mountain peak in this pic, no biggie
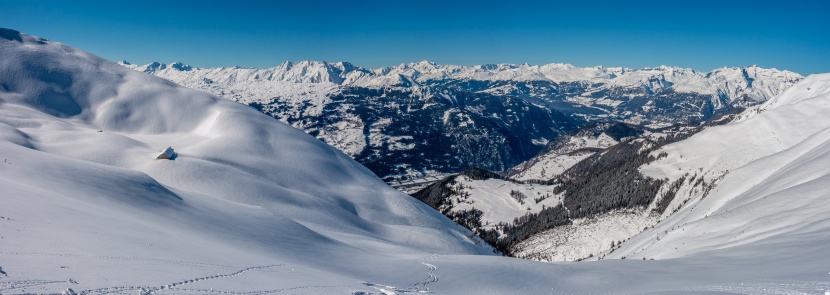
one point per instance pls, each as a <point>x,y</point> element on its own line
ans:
<point>181,66</point>
<point>311,71</point>
<point>10,35</point>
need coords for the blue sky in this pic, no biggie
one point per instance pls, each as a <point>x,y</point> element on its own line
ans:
<point>791,35</point>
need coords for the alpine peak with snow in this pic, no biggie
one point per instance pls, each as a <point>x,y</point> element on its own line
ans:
<point>727,83</point>
<point>249,205</point>
<point>423,119</point>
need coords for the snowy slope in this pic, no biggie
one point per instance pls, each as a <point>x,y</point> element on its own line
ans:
<point>84,197</point>
<point>575,146</point>
<point>703,166</point>
<point>274,213</point>
<point>684,182</point>
<point>493,197</point>
<point>502,200</point>
<point>548,165</point>
<point>771,173</point>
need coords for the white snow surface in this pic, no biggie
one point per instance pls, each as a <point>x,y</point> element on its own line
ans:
<point>549,165</point>
<point>254,206</point>
<point>246,192</point>
<point>492,197</point>
<point>586,237</point>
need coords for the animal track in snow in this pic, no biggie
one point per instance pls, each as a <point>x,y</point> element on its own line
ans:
<point>139,259</point>
<point>152,290</point>
<point>22,285</point>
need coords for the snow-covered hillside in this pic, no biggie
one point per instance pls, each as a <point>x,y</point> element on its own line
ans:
<point>501,200</point>
<point>249,205</point>
<point>86,201</point>
<point>605,207</point>
<point>771,170</point>
<point>750,185</point>
<point>527,190</point>
<point>573,147</point>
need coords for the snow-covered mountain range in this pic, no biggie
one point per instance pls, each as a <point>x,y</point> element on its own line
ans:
<point>421,119</point>
<point>729,84</point>
<point>248,205</point>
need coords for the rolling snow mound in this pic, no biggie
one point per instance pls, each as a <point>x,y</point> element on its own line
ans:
<point>79,139</point>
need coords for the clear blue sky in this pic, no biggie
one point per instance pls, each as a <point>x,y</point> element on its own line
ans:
<point>791,35</point>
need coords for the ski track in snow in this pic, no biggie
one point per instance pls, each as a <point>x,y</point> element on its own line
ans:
<point>419,287</point>
<point>431,273</point>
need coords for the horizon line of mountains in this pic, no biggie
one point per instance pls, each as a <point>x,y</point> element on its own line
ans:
<point>423,73</point>
<point>423,119</point>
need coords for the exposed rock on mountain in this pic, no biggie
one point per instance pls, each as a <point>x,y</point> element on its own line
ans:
<point>420,119</point>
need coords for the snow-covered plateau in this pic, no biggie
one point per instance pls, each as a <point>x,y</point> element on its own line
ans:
<point>249,205</point>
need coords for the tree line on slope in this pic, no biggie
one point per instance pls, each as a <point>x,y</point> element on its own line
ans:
<point>606,181</point>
